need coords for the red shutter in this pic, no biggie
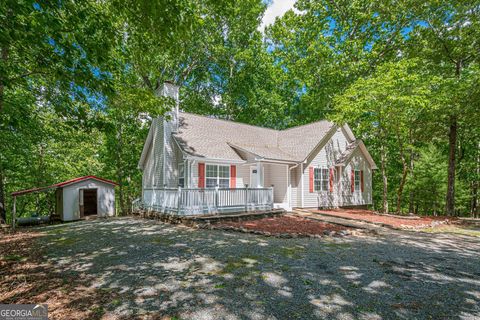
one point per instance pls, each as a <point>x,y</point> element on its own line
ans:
<point>311,178</point>
<point>361,180</point>
<point>331,179</point>
<point>233,176</point>
<point>352,187</point>
<point>201,175</point>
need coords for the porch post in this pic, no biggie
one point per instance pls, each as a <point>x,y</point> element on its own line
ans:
<point>339,181</point>
<point>259,175</point>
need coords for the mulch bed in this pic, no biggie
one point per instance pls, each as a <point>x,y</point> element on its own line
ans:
<point>285,226</point>
<point>390,220</point>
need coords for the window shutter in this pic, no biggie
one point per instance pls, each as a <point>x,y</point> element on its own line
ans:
<point>233,176</point>
<point>361,180</point>
<point>352,186</point>
<point>331,179</point>
<point>201,175</point>
<point>311,178</point>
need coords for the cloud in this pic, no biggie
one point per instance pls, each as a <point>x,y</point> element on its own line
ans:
<point>276,8</point>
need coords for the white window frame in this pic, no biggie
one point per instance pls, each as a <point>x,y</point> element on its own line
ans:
<point>357,180</point>
<point>321,179</point>
<point>217,178</point>
<point>181,167</point>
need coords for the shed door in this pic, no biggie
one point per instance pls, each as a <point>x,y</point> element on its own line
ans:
<point>88,202</point>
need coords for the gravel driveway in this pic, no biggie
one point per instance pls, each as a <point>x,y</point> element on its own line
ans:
<point>175,271</point>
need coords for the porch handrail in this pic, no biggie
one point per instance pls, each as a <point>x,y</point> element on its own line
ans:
<point>198,201</point>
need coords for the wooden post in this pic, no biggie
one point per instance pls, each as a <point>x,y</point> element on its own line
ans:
<point>14,213</point>
<point>179,199</point>
<point>246,198</point>
<point>216,199</point>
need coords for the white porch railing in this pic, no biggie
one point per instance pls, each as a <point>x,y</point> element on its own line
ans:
<point>193,201</point>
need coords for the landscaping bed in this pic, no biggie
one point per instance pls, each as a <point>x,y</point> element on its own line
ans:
<point>286,226</point>
<point>388,220</point>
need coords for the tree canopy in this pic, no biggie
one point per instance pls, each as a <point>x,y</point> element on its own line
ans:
<point>78,84</point>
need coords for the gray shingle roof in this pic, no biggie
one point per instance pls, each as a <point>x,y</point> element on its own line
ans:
<point>216,139</point>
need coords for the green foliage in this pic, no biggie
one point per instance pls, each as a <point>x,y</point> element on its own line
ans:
<point>78,84</point>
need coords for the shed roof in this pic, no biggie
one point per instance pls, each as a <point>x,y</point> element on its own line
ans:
<point>62,184</point>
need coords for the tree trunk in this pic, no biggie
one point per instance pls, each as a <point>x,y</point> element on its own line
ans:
<point>404,173</point>
<point>401,186</point>
<point>3,210</point>
<point>475,184</point>
<point>383,165</point>
<point>120,169</point>
<point>411,201</point>
<point>452,141</point>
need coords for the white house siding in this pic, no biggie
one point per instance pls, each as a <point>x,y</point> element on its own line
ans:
<point>153,167</point>
<point>172,156</point>
<point>325,158</point>
<point>105,199</point>
<point>277,175</point>
<point>356,198</point>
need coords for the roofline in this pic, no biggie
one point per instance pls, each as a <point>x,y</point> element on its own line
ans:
<point>218,160</point>
<point>261,158</point>
<point>349,132</point>
<point>365,152</point>
<point>62,184</point>
<point>146,146</point>
<point>321,142</point>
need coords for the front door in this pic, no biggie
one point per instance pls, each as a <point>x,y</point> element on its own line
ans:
<point>253,177</point>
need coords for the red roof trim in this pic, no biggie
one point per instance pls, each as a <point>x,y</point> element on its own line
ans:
<point>62,184</point>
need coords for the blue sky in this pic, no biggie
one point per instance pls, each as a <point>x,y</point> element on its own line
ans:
<point>276,8</point>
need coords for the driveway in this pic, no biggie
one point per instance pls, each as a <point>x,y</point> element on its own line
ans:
<point>145,268</point>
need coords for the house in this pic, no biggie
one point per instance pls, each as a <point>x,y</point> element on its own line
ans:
<point>310,166</point>
<point>80,197</point>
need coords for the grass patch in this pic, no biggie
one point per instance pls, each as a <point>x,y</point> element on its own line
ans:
<point>64,241</point>
<point>455,229</point>
<point>162,240</point>
<point>295,252</point>
<point>13,257</point>
<point>56,231</point>
<point>220,286</point>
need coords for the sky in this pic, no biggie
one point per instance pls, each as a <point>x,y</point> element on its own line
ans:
<point>276,8</point>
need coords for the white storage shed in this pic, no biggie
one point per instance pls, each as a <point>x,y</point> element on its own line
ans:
<point>81,197</point>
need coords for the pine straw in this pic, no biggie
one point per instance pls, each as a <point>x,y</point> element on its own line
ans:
<point>286,224</point>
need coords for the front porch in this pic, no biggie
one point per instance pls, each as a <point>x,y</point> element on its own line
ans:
<point>205,201</point>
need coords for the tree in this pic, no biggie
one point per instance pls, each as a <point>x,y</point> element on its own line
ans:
<point>392,106</point>
<point>51,48</point>
<point>447,33</point>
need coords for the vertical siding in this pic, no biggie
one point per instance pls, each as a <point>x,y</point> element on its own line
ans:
<point>358,162</point>
<point>325,158</point>
<point>105,199</point>
<point>276,175</point>
<point>170,165</point>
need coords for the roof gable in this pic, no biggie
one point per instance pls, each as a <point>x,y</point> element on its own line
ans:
<point>63,184</point>
<point>206,137</point>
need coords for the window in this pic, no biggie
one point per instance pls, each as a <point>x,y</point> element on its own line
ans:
<point>181,175</point>
<point>357,180</point>
<point>217,175</point>
<point>321,179</point>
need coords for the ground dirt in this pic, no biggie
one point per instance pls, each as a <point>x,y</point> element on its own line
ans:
<point>129,268</point>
